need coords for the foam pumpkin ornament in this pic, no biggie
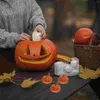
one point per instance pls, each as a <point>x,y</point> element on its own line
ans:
<point>63,79</point>
<point>47,79</point>
<point>82,36</point>
<point>55,88</point>
<point>35,55</point>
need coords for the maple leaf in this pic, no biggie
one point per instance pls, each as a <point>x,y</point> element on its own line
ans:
<point>7,77</point>
<point>87,73</point>
<point>28,83</point>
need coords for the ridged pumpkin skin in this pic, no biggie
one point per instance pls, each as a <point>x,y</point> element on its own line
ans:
<point>37,56</point>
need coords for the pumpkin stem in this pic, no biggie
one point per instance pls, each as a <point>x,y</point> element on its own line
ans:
<point>48,74</point>
<point>57,83</point>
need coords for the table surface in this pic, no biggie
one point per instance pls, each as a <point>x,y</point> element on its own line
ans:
<point>41,91</point>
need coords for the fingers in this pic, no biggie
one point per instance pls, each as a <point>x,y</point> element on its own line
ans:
<point>40,29</point>
<point>24,36</point>
<point>44,35</point>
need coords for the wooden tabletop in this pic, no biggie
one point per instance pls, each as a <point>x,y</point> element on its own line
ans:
<point>41,91</point>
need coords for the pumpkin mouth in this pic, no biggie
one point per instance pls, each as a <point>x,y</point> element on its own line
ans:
<point>35,61</point>
<point>43,57</point>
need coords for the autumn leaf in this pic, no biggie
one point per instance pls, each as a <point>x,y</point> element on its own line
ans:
<point>6,77</point>
<point>87,73</point>
<point>13,73</point>
<point>28,83</point>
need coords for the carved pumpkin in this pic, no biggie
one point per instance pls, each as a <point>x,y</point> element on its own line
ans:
<point>32,55</point>
<point>55,88</point>
<point>63,79</point>
<point>47,79</point>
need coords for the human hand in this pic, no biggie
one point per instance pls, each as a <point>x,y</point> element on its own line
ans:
<point>40,29</point>
<point>24,36</point>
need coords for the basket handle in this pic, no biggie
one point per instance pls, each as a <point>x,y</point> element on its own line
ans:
<point>90,43</point>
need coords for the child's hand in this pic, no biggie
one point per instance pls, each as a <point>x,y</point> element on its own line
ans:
<point>24,36</point>
<point>40,29</point>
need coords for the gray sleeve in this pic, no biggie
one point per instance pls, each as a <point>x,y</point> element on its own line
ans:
<point>8,40</point>
<point>37,15</point>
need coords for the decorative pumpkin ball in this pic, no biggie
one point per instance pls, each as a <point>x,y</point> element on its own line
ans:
<point>35,55</point>
<point>47,79</point>
<point>63,79</point>
<point>82,36</point>
<point>55,88</point>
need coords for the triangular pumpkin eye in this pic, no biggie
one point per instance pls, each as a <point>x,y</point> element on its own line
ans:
<point>28,50</point>
<point>43,51</point>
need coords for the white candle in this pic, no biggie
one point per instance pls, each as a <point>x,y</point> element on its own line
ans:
<point>59,68</point>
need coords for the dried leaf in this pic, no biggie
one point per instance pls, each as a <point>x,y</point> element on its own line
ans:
<point>87,73</point>
<point>28,83</point>
<point>7,77</point>
<point>13,73</point>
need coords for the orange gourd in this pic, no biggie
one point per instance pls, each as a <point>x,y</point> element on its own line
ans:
<point>35,55</point>
<point>55,88</point>
<point>63,79</point>
<point>47,79</point>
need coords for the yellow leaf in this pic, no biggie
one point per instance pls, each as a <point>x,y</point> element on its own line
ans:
<point>87,73</point>
<point>28,83</point>
<point>13,73</point>
<point>1,77</point>
<point>6,77</point>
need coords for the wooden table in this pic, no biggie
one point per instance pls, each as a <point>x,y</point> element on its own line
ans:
<point>41,91</point>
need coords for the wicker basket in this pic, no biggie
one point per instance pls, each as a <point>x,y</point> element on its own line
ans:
<point>89,55</point>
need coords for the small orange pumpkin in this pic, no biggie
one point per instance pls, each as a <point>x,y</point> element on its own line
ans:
<point>55,88</point>
<point>63,79</point>
<point>47,79</point>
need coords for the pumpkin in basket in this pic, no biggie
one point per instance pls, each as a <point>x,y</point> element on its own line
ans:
<point>82,36</point>
<point>35,55</point>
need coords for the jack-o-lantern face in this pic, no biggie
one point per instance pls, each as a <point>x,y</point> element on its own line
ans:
<point>31,55</point>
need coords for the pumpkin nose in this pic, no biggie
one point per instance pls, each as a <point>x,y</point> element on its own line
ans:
<point>34,50</point>
<point>37,51</point>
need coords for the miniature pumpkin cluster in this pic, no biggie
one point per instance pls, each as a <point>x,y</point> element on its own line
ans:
<point>55,88</point>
